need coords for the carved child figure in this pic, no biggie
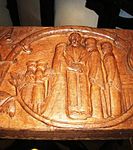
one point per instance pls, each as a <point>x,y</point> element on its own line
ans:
<point>113,79</point>
<point>30,73</point>
<point>29,79</point>
<point>38,92</point>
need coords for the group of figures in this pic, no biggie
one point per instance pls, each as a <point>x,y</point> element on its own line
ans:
<point>89,78</point>
<point>37,85</point>
<point>89,92</point>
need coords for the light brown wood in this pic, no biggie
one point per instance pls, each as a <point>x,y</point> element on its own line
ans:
<point>66,83</point>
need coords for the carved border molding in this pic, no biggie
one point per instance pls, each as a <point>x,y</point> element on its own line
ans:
<point>79,70</point>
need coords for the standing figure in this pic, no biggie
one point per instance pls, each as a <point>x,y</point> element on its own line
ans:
<point>30,73</point>
<point>112,78</point>
<point>76,57</point>
<point>38,92</point>
<point>95,77</point>
<point>70,85</point>
<point>30,79</point>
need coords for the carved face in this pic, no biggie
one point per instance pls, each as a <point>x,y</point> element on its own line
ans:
<point>75,39</point>
<point>90,44</point>
<point>106,47</point>
<point>41,65</point>
<point>31,66</point>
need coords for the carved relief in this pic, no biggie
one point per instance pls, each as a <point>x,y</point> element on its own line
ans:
<point>4,66</point>
<point>37,85</point>
<point>71,60</point>
<point>113,82</point>
<point>5,44</point>
<point>95,76</point>
<point>82,86</point>
<point>7,103</point>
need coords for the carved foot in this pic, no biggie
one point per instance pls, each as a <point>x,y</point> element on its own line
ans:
<point>77,114</point>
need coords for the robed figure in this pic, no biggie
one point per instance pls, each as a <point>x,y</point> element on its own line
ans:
<point>96,78</point>
<point>112,80</point>
<point>76,57</point>
<point>70,84</point>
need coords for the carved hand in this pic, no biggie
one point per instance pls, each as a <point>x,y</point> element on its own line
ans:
<point>92,80</point>
<point>110,82</point>
<point>77,67</point>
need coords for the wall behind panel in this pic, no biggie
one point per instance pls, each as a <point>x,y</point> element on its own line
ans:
<point>73,12</point>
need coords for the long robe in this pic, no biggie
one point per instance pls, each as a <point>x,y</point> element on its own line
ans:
<point>69,86</point>
<point>96,83</point>
<point>114,82</point>
<point>78,103</point>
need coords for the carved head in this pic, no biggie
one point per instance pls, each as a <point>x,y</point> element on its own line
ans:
<point>90,44</point>
<point>31,66</point>
<point>42,65</point>
<point>106,47</point>
<point>75,39</point>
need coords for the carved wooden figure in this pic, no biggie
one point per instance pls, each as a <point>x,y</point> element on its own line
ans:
<point>66,83</point>
<point>113,80</point>
<point>95,76</point>
<point>76,78</point>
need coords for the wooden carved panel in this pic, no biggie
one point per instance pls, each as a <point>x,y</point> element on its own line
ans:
<point>55,82</point>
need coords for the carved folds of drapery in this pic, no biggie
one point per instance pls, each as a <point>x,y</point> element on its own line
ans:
<point>67,77</point>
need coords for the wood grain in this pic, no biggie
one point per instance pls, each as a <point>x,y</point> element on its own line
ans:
<point>66,83</point>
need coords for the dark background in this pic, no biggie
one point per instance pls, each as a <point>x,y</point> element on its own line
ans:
<point>108,11</point>
<point>67,145</point>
